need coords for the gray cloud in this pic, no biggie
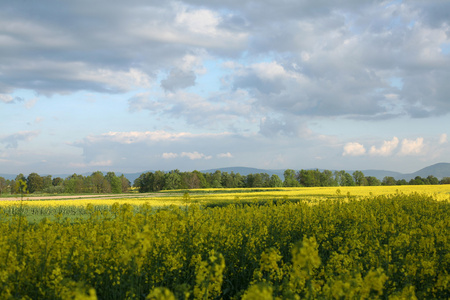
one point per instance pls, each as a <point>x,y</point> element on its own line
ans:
<point>178,79</point>
<point>9,99</point>
<point>288,126</point>
<point>12,141</point>
<point>219,111</point>
<point>337,56</point>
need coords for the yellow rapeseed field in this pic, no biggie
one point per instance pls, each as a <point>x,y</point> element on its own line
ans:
<point>211,196</point>
<point>361,243</point>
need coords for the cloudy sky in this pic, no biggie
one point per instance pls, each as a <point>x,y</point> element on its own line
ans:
<point>129,86</point>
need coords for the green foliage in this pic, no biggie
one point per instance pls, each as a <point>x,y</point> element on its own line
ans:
<point>382,247</point>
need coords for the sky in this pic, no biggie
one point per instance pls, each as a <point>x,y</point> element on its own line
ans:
<point>130,86</point>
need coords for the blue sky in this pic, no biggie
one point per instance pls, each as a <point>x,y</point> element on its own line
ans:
<point>150,85</point>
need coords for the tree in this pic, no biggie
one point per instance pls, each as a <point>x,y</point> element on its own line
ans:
<point>74,184</point>
<point>190,180</point>
<point>110,176</point>
<point>343,178</point>
<point>216,179</point>
<point>3,185</point>
<point>201,178</point>
<point>116,185</point>
<point>227,180</point>
<point>402,182</point>
<point>47,182</point>
<point>327,178</point>
<point>35,183</point>
<point>359,178</point>
<point>417,181</point>
<point>97,182</point>
<point>373,181</point>
<point>289,179</point>
<point>125,183</point>
<point>275,181</point>
<point>309,177</point>
<point>256,180</point>
<point>15,187</point>
<point>388,180</point>
<point>57,181</point>
<point>21,186</point>
<point>348,180</point>
<point>158,181</point>
<point>445,180</point>
<point>339,177</point>
<point>432,180</point>
<point>238,180</point>
<point>144,182</point>
<point>172,180</point>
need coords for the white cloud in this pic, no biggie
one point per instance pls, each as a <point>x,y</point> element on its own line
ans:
<point>443,138</point>
<point>200,21</point>
<point>6,98</point>
<point>386,149</point>
<point>30,103</point>
<point>105,163</point>
<point>9,99</point>
<point>169,155</point>
<point>354,149</point>
<point>195,155</point>
<point>225,155</point>
<point>132,137</point>
<point>412,147</point>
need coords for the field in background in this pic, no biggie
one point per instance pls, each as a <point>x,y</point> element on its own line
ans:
<point>36,209</point>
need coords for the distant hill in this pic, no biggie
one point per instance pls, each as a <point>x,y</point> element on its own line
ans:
<point>8,176</point>
<point>439,170</point>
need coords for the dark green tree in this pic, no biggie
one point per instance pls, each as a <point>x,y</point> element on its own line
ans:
<point>388,180</point>
<point>309,177</point>
<point>227,180</point>
<point>74,184</point>
<point>190,180</point>
<point>402,182</point>
<point>432,179</point>
<point>343,178</point>
<point>98,182</point>
<point>417,181</point>
<point>216,179</point>
<point>125,183</point>
<point>158,181</point>
<point>289,179</point>
<point>373,181</point>
<point>57,181</point>
<point>359,178</point>
<point>275,181</point>
<point>144,182</point>
<point>327,178</point>
<point>35,183</point>
<point>3,185</point>
<point>445,180</point>
<point>172,180</point>
<point>47,182</point>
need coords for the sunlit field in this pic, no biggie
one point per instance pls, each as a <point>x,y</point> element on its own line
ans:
<point>213,197</point>
<point>280,243</point>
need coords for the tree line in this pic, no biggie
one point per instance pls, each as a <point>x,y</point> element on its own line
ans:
<point>159,180</point>
<point>97,182</point>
